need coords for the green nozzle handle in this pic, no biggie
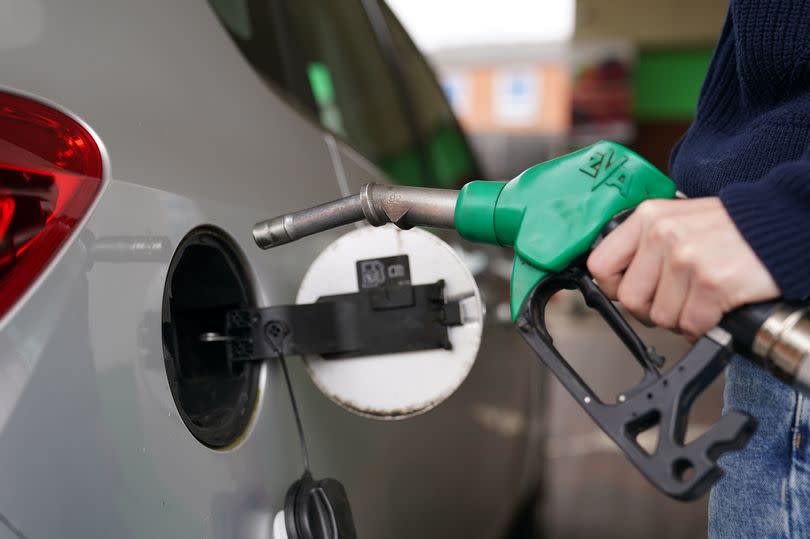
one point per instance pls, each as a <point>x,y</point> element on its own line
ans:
<point>552,213</point>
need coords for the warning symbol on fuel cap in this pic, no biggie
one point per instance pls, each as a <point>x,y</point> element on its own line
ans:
<point>389,271</point>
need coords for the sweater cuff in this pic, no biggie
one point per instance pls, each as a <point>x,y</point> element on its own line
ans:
<point>777,227</point>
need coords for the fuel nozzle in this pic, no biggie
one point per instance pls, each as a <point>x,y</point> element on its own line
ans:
<point>551,215</point>
<point>378,204</point>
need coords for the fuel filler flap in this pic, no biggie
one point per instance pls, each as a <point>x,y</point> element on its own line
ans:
<point>396,267</point>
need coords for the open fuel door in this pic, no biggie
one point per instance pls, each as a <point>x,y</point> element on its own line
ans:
<point>388,322</point>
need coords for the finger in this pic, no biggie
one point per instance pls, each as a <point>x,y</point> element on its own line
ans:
<point>609,260</point>
<point>640,281</point>
<point>672,290</point>
<point>609,285</point>
<point>701,311</point>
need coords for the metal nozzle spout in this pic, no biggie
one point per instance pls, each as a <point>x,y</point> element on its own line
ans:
<point>292,226</point>
<point>406,207</point>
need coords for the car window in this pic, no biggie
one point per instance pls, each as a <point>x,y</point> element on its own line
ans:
<point>326,56</point>
<point>352,85</point>
<point>448,155</point>
<point>334,68</point>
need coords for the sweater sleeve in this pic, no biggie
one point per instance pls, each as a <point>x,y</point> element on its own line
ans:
<point>773,215</point>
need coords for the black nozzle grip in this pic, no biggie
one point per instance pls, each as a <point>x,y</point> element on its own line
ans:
<point>744,323</point>
<point>776,336</point>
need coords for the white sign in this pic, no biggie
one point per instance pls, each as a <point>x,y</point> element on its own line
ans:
<point>516,96</point>
<point>456,87</point>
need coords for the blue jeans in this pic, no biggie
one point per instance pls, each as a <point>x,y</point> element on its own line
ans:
<point>765,491</point>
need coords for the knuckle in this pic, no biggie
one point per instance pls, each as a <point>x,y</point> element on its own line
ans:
<point>630,300</point>
<point>648,209</point>
<point>690,325</point>
<point>683,256</point>
<point>596,267</point>
<point>662,318</point>
<point>665,231</point>
<point>708,280</point>
<point>696,323</point>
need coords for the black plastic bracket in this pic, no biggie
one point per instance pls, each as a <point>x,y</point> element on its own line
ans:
<point>682,471</point>
<point>384,320</point>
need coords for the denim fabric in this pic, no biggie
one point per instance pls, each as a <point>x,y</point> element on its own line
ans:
<point>765,491</point>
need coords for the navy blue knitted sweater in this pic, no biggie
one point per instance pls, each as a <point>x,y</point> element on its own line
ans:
<point>750,140</point>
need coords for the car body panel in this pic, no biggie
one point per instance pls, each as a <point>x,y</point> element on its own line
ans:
<point>91,444</point>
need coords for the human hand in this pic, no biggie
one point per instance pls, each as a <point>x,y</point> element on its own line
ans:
<point>680,264</point>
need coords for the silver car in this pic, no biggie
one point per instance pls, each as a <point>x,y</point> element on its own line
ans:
<point>139,143</point>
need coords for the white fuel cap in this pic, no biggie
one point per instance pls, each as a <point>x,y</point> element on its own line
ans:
<point>399,385</point>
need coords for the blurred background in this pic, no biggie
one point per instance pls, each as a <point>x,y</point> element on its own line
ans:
<point>531,80</point>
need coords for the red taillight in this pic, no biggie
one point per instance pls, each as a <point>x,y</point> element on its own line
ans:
<point>50,173</point>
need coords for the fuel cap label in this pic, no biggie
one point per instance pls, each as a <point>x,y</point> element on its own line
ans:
<point>388,271</point>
